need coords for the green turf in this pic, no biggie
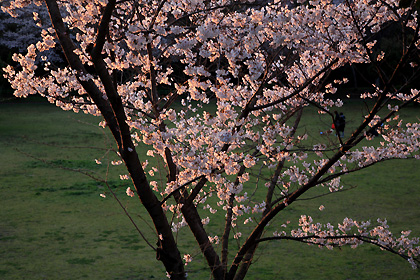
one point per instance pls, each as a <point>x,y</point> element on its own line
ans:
<point>54,224</point>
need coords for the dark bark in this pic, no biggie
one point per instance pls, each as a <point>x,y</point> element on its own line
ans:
<point>194,222</point>
<point>226,233</point>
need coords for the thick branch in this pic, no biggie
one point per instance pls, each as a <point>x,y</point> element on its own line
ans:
<point>103,29</point>
<point>167,251</point>
<point>196,226</point>
<point>75,63</point>
<point>226,233</point>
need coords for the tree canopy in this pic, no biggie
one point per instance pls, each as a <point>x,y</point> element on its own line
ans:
<point>217,89</point>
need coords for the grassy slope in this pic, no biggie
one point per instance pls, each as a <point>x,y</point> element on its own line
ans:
<point>54,225</point>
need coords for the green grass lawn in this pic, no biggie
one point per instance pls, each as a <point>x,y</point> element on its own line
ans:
<point>55,225</point>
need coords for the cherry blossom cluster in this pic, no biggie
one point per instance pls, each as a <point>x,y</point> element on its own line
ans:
<point>353,233</point>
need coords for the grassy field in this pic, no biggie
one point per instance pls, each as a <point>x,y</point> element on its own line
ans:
<point>55,225</point>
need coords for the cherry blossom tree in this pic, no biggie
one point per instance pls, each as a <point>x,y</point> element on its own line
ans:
<point>217,90</point>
